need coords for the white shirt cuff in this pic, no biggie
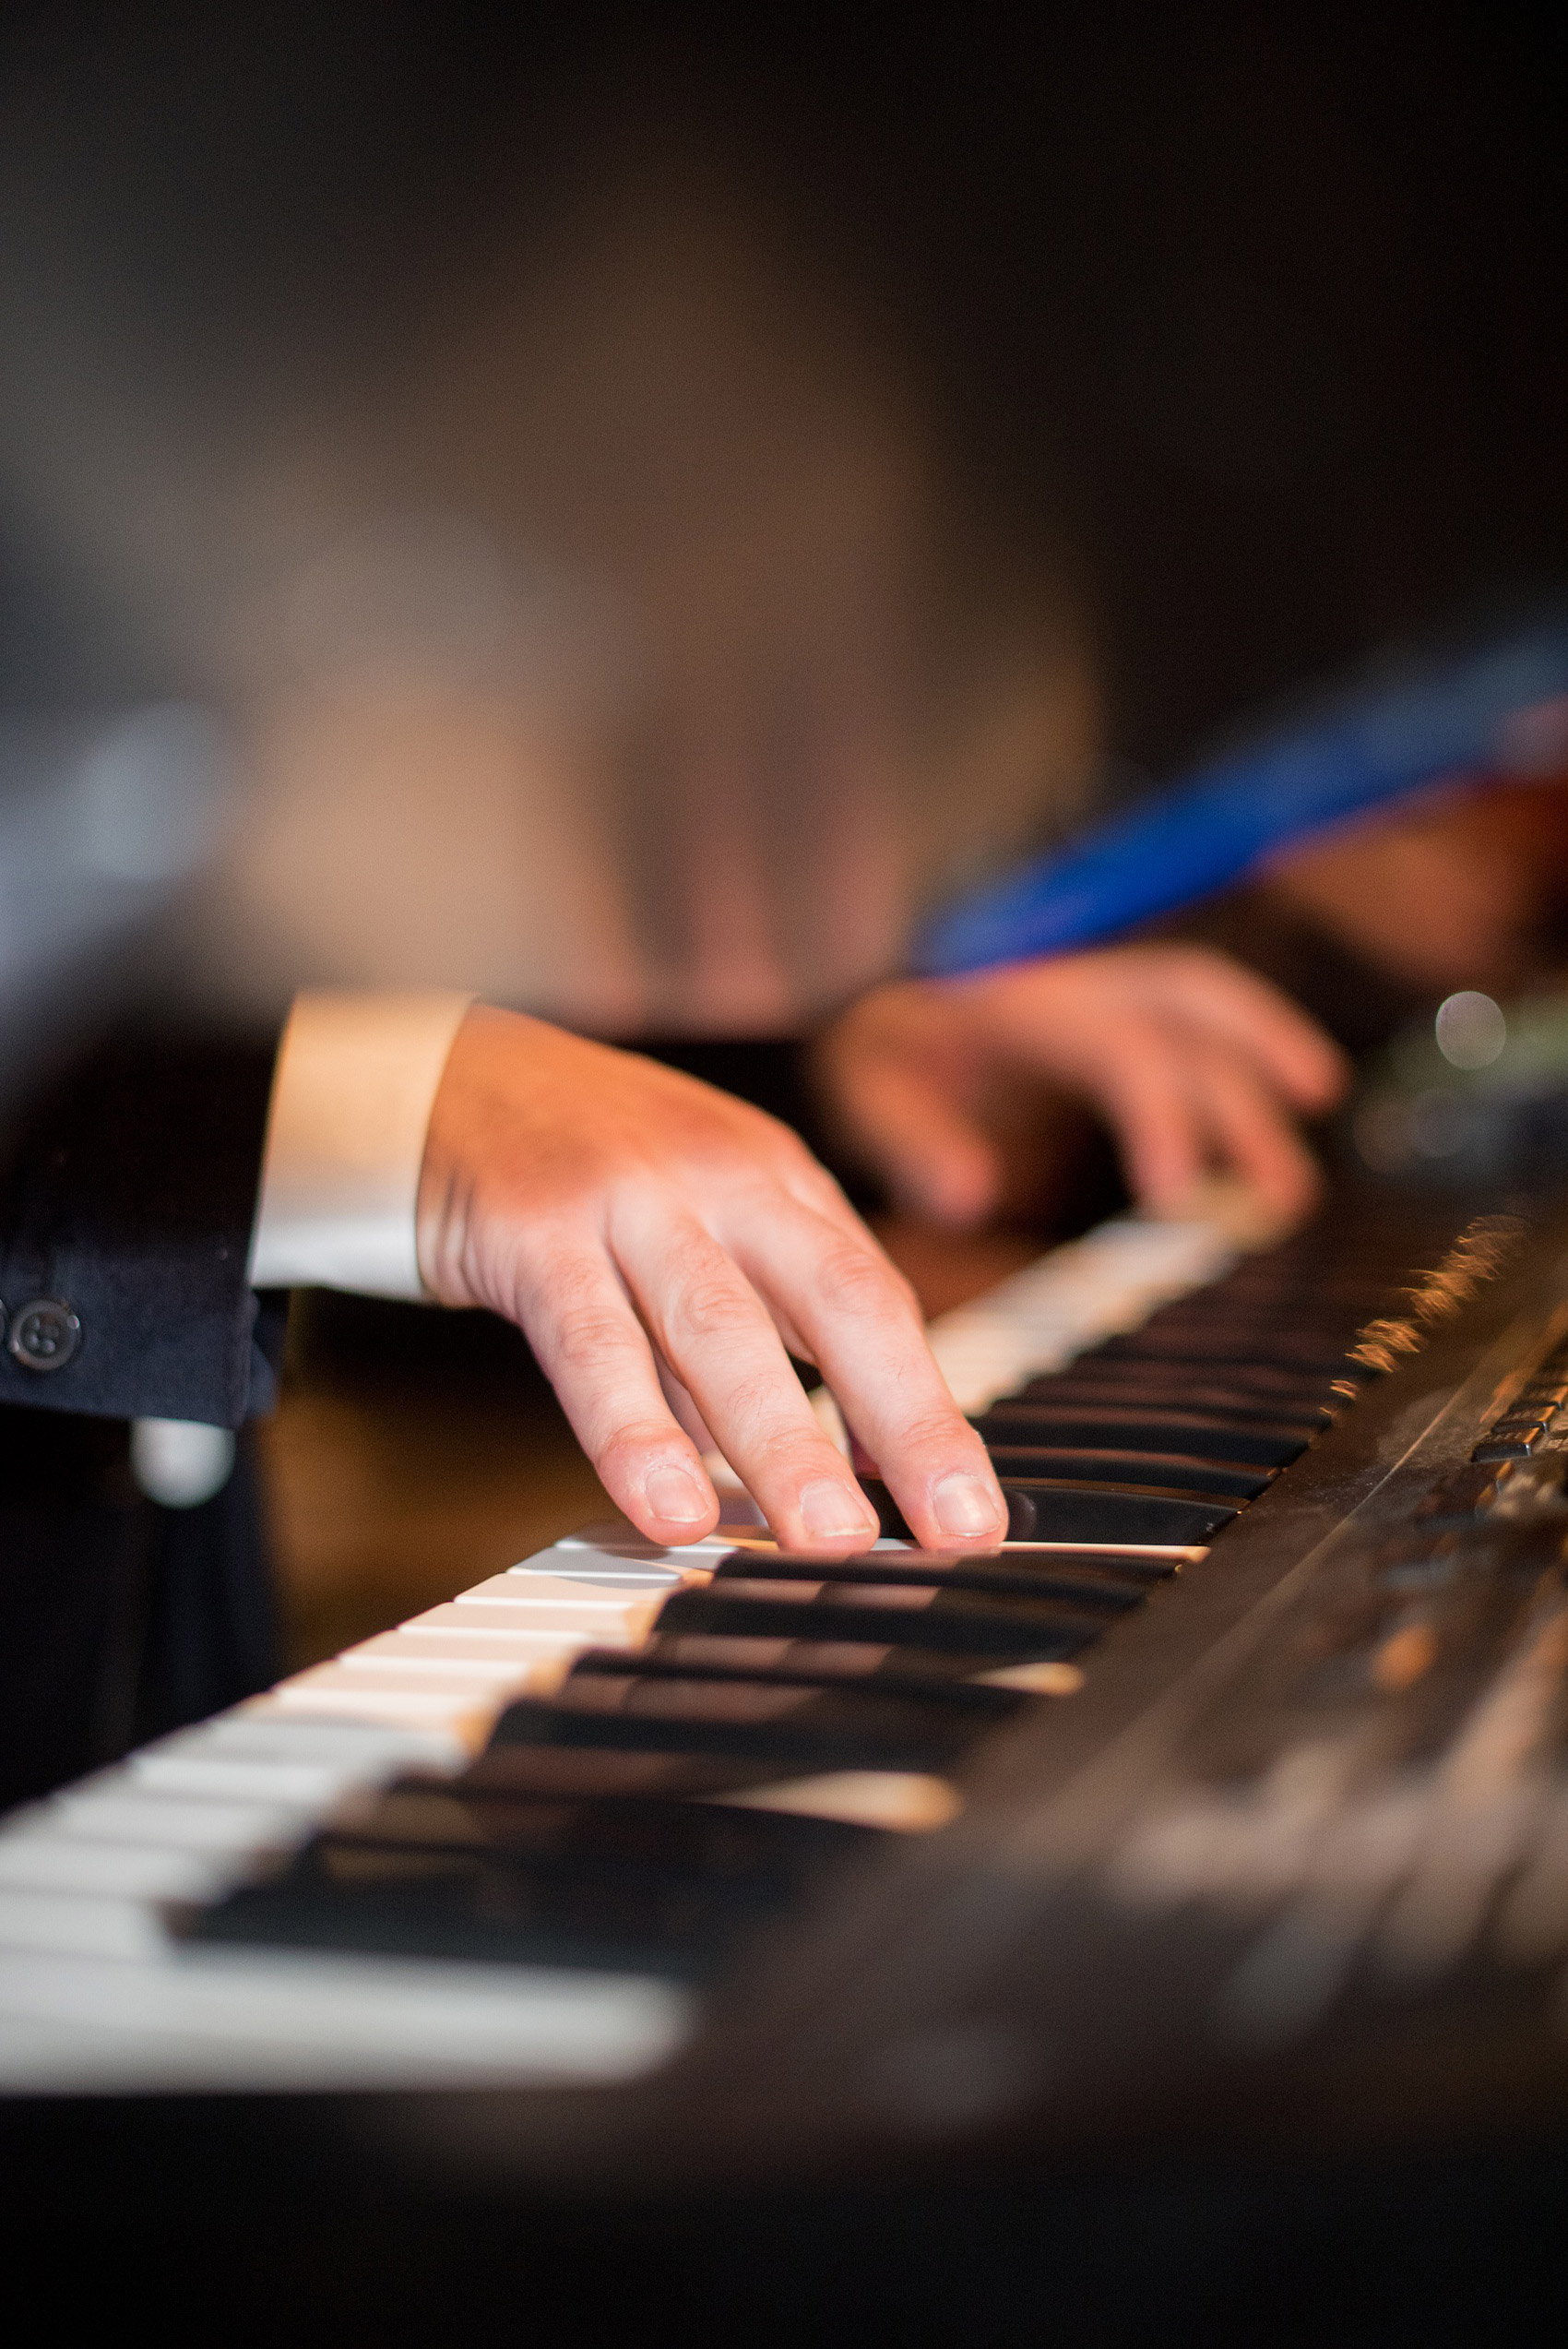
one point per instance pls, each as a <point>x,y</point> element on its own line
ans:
<point>355,1084</point>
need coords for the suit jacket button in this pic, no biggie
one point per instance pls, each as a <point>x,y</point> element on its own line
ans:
<point>44,1334</point>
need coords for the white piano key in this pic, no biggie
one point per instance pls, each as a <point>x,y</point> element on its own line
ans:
<point>545,1601</point>
<point>652,1582</point>
<point>1036,1679</point>
<point>398,1655</point>
<point>308,1784</point>
<point>296,2020</point>
<point>121,1814</point>
<point>463,1712</point>
<point>238,1759</point>
<point>520,1655</point>
<point>523,1591</point>
<point>903,1802</point>
<point>369,1751</point>
<point>79,1925</point>
<point>1177,1554</point>
<point>418,1740</point>
<point>611,1540</point>
<point>40,2055</point>
<point>614,1541</point>
<point>461,1643</point>
<point>346,1678</point>
<point>611,1570</point>
<point>33,1861</point>
<point>1041,1318</point>
<point>502,1626</point>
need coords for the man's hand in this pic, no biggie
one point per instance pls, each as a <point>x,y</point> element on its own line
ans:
<point>1193,1063</point>
<point>632,1221</point>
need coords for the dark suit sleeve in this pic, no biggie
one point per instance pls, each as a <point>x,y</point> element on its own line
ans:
<point>127,1203</point>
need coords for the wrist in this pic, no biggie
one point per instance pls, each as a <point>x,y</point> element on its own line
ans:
<point>352,1096</point>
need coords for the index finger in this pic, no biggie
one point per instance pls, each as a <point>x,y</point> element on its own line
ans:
<point>714,1332</point>
<point>857,1320</point>
<point>1246,1011</point>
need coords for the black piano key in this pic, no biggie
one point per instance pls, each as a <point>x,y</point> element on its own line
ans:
<point>1170,1387</point>
<point>1511,1439</point>
<point>1043,1509</point>
<point>601,1774</point>
<point>640,1832</point>
<point>1321,1291</point>
<point>1246,1369</point>
<point>1228,1355</point>
<point>1279,1354</point>
<point>1333,1301</point>
<point>1225,1305</point>
<point>476,1906</point>
<point>815,1662</point>
<point>793,1729</point>
<point>954,1681</point>
<point>1104,1391</point>
<point>1209,1437</point>
<point>454,1872</point>
<point>1064,1576</point>
<point>1278,1332</point>
<point>1173,1472</point>
<point>966,1623</point>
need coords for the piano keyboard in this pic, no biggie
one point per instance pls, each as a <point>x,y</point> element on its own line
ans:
<point>1280,1612</point>
<point>95,1993</point>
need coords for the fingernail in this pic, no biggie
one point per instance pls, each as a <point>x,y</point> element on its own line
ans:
<point>829,1510</point>
<point>963,1506</point>
<point>674,1495</point>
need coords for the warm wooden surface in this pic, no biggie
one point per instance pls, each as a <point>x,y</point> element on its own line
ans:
<point>416,1452</point>
<point>383,1507</point>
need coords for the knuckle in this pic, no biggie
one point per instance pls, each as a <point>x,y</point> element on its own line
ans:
<point>855,1278</point>
<point>624,1453</point>
<point>586,1335</point>
<point>768,1407</point>
<point>935,1427</point>
<point>785,1158</point>
<point>562,1261</point>
<point>760,1126</point>
<point>711,1307</point>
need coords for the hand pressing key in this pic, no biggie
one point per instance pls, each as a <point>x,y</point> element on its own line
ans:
<point>1194,1063</point>
<point>629,1219</point>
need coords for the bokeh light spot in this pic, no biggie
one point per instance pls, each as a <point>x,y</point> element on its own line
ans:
<point>1471,1029</point>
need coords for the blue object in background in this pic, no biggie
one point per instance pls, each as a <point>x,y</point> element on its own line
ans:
<point>1486,709</point>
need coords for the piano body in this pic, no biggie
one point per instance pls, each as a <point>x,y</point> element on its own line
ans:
<point>1214,1830</point>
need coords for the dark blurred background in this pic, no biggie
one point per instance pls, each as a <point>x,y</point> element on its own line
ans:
<point>1260,314</point>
